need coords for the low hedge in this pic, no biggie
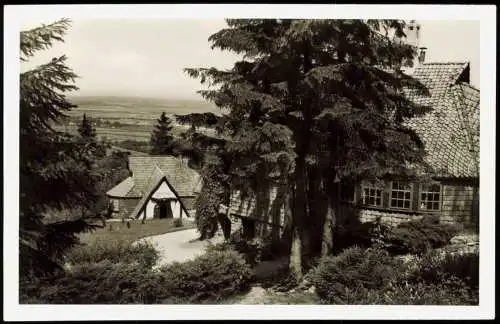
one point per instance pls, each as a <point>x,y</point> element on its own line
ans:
<point>210,277</point>
<point>214,275</point>
<point>373,277</point>
<point>417,236</point>
<point>335,278</point>
<point>435,268</point>
<point>141,253</point>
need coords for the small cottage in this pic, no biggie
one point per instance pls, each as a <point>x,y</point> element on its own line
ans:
<point>158,187</point>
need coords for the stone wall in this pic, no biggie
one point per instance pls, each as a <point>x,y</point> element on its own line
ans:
<point>460,204</point>
<point>387,217</point>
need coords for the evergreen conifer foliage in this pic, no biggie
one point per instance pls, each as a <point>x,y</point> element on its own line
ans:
<point>162,139</point>
<point>55,168</point>
<point>86,130</point>
<point>312,101</point>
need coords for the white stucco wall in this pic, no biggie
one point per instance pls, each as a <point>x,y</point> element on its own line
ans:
<point>164,191</point>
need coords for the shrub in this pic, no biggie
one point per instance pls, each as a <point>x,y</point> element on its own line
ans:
<point>96,283</point>
<point>214,275</point>
<point>178,222</point>
<point>335,278</point>
<point>436,268</point>
<point>449,292</point>
<point>418,236</point>
<point>142,253</point>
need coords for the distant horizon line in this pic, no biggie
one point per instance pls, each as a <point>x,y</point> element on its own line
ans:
<point>73,95</point>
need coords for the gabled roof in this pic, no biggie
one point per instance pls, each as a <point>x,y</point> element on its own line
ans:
<point>184,179</point>
<point>121,189</point>
<point>180,176</point>
<point>446,130</point>
<point>155,180</point>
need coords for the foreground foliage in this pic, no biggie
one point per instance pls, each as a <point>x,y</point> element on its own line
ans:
<point>111,280</point>
<point>412,237</point>
<point>372,276</point>
<point>142,254</point>
<point>213,276</point>
<point>56,168</point>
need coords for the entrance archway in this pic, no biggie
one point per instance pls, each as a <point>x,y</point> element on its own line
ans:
<point>163,209</point>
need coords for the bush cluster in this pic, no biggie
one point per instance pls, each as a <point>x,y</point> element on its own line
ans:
<point>372,276</point>
<point>142,253</point>
<point>436,267</point>
<point>413,237</point>
<point>418,236</point>
<point>97,283</point>
<point>337,278</point>
<point>212,276</point>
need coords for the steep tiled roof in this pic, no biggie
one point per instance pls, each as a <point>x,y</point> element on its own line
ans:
<point>445,129</point>
<point>153,182</point>
<point>179,175</point>
<point>184,179</point>
<point>122,189</point>
<point>437,77</point>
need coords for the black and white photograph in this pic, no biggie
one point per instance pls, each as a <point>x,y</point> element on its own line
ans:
<point>247,158</point>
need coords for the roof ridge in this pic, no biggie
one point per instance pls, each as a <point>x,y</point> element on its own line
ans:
<point>469,85</point>
<point>446,62</point>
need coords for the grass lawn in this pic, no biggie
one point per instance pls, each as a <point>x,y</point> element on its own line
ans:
<point>118,231</point>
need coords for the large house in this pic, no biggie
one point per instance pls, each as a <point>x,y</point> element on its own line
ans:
<point>158,187</point>
<point>450,133</point>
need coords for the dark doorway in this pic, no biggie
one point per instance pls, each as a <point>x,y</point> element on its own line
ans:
<point>163,209</point>
<point>248,228</point>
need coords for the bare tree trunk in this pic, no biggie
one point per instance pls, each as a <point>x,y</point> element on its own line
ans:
<point>299,214</point>
<point>296,254</point>
<point>330,221</point>
<point>327,240</point>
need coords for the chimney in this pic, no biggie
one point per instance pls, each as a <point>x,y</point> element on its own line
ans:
<point>421,55</point>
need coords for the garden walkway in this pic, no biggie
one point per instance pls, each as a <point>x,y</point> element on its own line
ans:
<point>180,246</point>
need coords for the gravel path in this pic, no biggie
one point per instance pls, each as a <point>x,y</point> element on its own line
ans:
<point>180,246</point>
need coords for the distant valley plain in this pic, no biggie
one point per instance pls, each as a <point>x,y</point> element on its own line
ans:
<point>129,118</point>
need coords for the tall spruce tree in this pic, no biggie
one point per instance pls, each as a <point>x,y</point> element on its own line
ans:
<point>55,169</point>
<point>315,103</point>
<point>162,139</point>
<point>86,130</point>
<point>88,138</point>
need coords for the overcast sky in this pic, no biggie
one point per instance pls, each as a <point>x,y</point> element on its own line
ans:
<point>147,57</point>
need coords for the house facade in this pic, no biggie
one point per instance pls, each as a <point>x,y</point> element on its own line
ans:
<point>450,132</point>
<point>158,187</point>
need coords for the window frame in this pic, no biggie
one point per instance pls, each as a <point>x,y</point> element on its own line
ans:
<point>440,201</point>
<point>368,185</point>
<point>410,190</point>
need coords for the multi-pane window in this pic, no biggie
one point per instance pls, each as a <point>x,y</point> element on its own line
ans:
<point>400,195</point>
<point>371,195</point>
<point>430,196</point>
